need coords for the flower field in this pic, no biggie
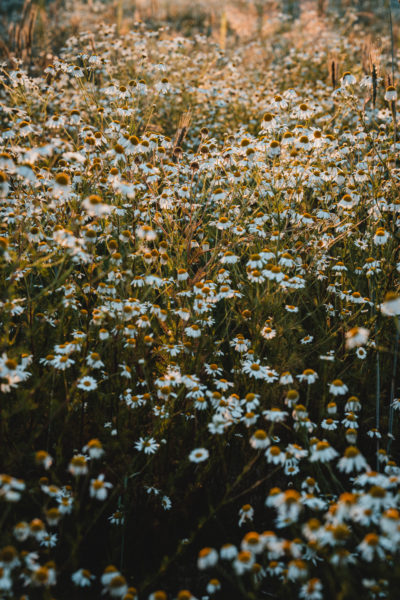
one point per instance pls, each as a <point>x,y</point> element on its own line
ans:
<point>200,302</point>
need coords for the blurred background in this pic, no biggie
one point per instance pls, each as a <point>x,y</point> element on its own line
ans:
<point>37,28</point>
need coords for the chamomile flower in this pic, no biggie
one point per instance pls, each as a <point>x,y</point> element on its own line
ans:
<point>78,465</point>
<point>213,586</point>
<point>259,440</point>
<point>243,562</point>
<point>286,378</point>
<point>391,305</point>
<point>381,236</point>
<point>309,376</point>
<point>357,336</point>
<point>246,513</point>
<point>99,488</point>
<point>208,557</point>
<point>348,79</point>
<point>268,333</point>
<point>390,94</point>
<point>275,455</point>
<point>275,415</point>
<point>87,383</point>
<point>361,353</point>
<point>199,455</point>
<point>94,206</point>
<point>82,578</point>
<point>338,388</point>
<point>147,445</point>
<point>322,452</point>
<point>193,331</point>
<point>44,459</point>
<point>94,448</point>
<point>352,460</point>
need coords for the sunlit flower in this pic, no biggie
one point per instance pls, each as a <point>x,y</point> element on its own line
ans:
<point>357,336</point>
<point>95,207</point>
<point>390,94</point>
<point>391,306</point>
<point>348,79</point>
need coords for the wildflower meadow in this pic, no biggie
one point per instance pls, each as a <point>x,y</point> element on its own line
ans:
<point>200,301</point>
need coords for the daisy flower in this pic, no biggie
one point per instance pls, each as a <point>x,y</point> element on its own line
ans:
<point>249,418</point>
<point>381,236</point>
<point>391,306</point>
<point>82,578</point>
<point>357,336</point>
<point>94,448</point>
<point>78,465</point>
<point>99,487</point>
<point>148,446</point>
<point>193,331</point>
<point>228,552</point>
<point>44,459</point>
<point>390,94</point>
<point>286,378</point>
<point>361,353</point>
<point>275,455</point>
<point>208,557</point>
<point>117,587</point>
<point>370,548</point>
<point>243,562</point>
<point>274,415</point>
<point>246,513</point>
<point>312,590</point>
<point>329,424</point>
<point>259,439</point>
<point>254,369</point>
<point>338,388</point>
<point>213,586</point>
<point>292,309</point>
<point>95,207</point>
<point>308,375</point>
<point>199,455</point>
<point>348,79</point>
<point>268,333</point>
<point>87,383</point>
<point>352,460</point>
<point>322,452</point>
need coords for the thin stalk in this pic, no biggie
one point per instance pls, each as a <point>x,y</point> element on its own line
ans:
<point>378,398</point>
<point>393,383</point>
<point>377,379</point>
